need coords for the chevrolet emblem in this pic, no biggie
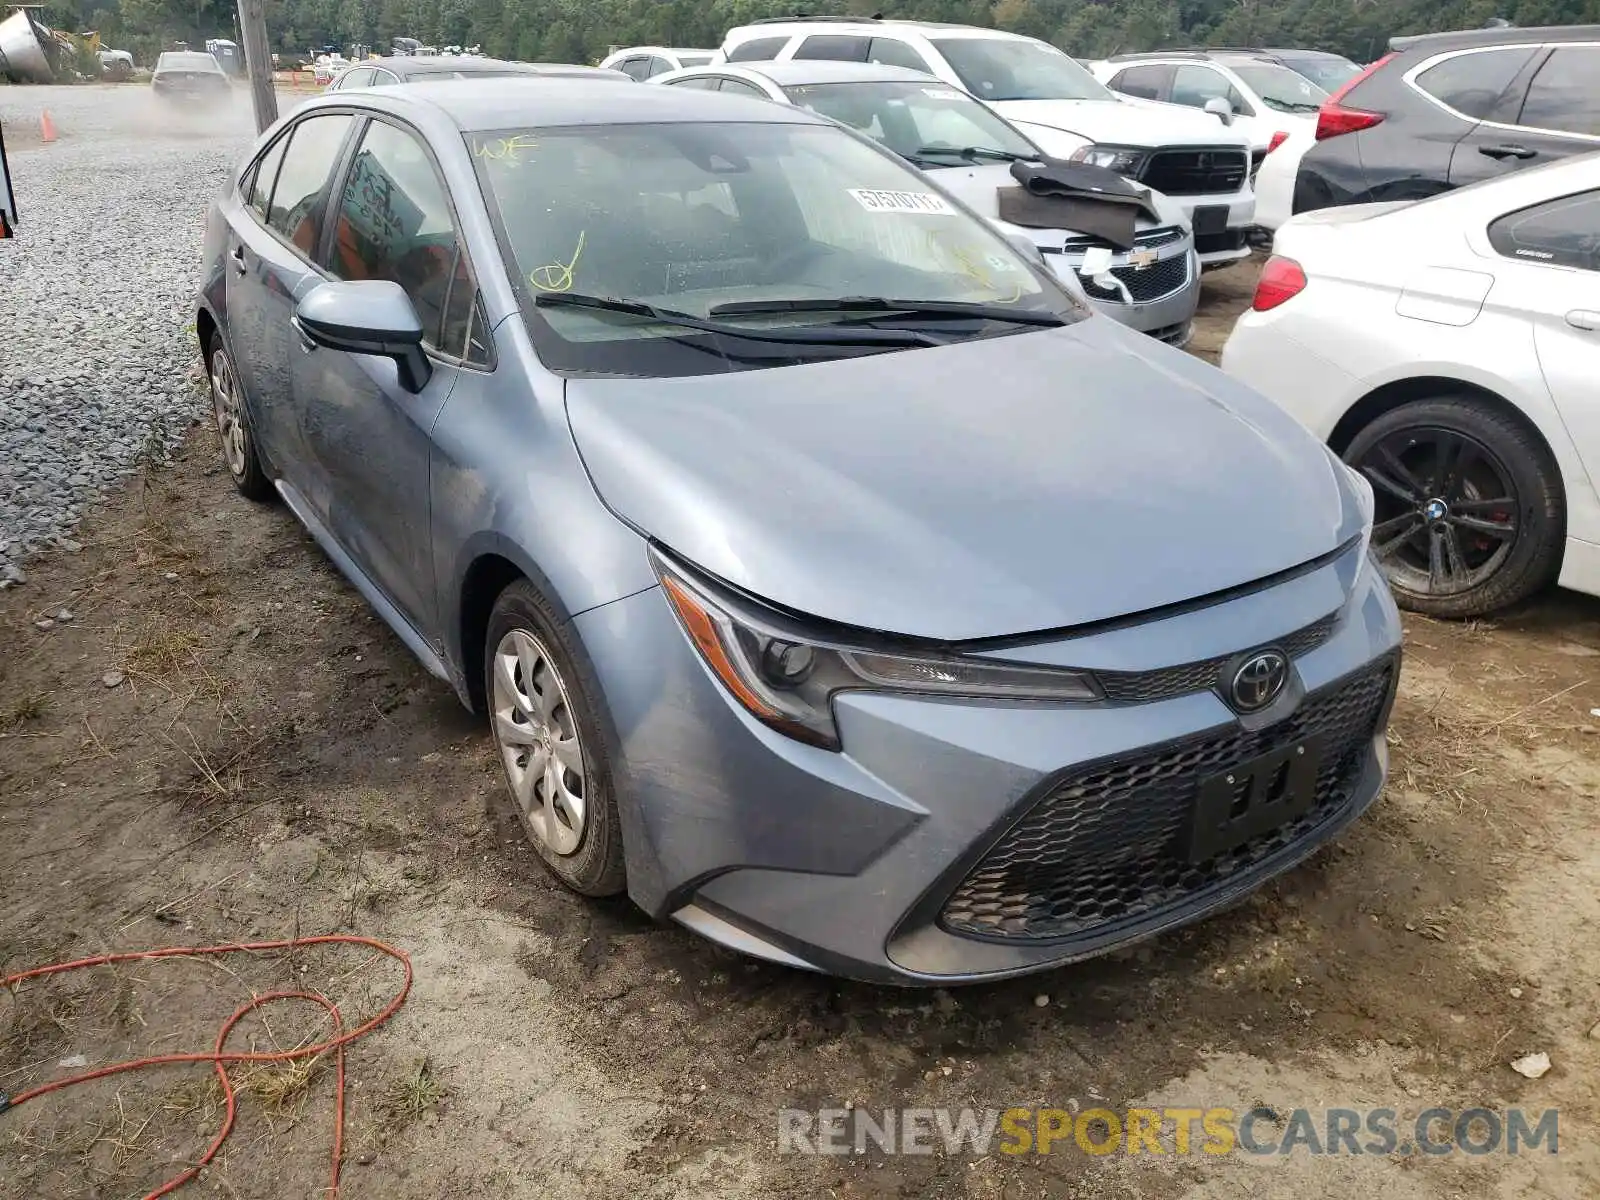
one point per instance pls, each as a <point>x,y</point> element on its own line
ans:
<point>1141,260</point>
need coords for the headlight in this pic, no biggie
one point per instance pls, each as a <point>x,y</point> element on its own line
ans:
<point>786,677</point>
<point>1115,158</point>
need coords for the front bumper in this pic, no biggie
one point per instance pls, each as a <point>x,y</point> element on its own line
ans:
<point>1161,295</point>
<point>1228,243</point>
<point>905,858</point>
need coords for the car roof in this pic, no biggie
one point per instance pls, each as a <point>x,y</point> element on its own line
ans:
<point>800,72</point>
<point>488,104</point>
<point>406,64</point>
<point>773,26</point>
<point>186,56</point>
<point>1508,35</point>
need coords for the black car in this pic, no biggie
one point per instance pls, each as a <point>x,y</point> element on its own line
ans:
<point>188,75</point>
<point>1446,109</point>
<point>381,72</point>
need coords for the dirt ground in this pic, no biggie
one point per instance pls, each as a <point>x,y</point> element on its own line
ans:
<point>221,743</point>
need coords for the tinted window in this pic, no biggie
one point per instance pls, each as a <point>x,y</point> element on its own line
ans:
<point>1565,94</point>
<point>1193,86</point>
<point>897,54</point>
<point>380,77</point>
<point>836,46</point>
<point>260,195</point>
<point>1145,82</point>
<point>703,83</point>
<point>359,77</point>
<point>300,197</point>
<point>657,66</point>
<point>1473,83</point>
<point>1565,232</point>
<point>757,49</point>
<point>636,68</point>
<point>1008,69</point>
<point>395,224</point>
<point>739,87</point>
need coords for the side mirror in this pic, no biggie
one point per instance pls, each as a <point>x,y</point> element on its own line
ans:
<point>1220,109</point>
<point>369,316</point>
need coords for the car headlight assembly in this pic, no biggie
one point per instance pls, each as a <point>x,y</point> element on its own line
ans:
<point>1121,159</point>
<point>786,678</point>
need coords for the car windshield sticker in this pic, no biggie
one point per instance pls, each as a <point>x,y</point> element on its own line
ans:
<point>920,203</point>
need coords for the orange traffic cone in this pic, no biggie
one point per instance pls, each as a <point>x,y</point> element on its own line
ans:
<point>47,127</point>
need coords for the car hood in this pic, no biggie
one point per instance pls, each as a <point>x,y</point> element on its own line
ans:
<point>976,187</point>
<point>1009,485</point>
<point>1118,123</point>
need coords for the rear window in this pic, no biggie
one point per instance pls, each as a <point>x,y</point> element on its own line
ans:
<point>757,49</point>
<point>694,60</point>
<point>835,47</point>
<point>187,62</point>
<point>1561,232</point>
<point>1474,83</point>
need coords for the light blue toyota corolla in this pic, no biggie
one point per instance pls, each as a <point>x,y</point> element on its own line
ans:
<point>831,580</point>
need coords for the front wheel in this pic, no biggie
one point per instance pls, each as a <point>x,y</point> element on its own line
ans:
<point>550,744</point>
<point>239,452</point>
<point>1470,515</point>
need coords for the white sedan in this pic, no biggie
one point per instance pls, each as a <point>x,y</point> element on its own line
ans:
<point>1449,349</point>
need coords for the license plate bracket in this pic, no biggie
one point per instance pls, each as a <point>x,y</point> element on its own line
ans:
<point>1255,797</point>
<point>1209,219</point>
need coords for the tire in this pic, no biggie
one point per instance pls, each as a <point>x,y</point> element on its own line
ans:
<point>232,417</point>
<point>1505,551</point>
<point>530,725</point>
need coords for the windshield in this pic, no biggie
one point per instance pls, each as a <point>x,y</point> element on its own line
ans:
<point>1004,69</point>
<point>915,120</point>
<point>1329,74</point>
<point>691,216</point>
<point>1280,88</point>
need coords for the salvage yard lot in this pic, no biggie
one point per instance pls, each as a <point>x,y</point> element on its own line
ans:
<point>220,742</point>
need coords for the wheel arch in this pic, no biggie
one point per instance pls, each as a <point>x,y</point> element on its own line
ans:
<point>486,576</point>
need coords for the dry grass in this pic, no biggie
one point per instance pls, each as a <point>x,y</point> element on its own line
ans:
<point>29,708</point>
<point>412,1098</point>
<point>281,1087</point>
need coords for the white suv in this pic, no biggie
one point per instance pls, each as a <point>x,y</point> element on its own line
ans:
<point>1190,156</point>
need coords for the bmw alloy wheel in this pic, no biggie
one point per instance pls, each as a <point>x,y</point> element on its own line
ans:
<point>539,741</point>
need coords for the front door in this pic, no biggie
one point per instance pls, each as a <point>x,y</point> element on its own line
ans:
<point>371,437</point>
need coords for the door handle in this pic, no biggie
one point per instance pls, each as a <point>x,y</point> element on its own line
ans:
<point>237,255</point>
<point>1584,318</point>
<point>1507,151</point>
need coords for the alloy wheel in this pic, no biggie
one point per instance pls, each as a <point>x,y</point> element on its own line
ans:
<point>230,419</point>
<point>1446,509</point>
<point>539,742</point>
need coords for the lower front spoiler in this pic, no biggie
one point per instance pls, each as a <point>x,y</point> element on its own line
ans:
<point>927,955</point>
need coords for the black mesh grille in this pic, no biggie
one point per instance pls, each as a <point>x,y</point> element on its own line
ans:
<point>1108,843</point>
<point>1144,687</point>
<point>1151,283</point>
<point>1195,172</point>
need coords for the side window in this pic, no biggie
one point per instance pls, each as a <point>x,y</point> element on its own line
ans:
<point>1193,86</point>
<point>836,46</point>
<point>1147,82</point>
<point>892,53</point>
<point>757,49</point>
<point>358,78</point>
<point>657,66</point>
<point>259,195</point>
<point>637,67</point>
<point>301,195</point>
<point>738,87</point>
<point>1472,83</point>
<point>1565,232</point>
<point>1563,95</point>
<point>701,83</point>
<point>394,223</point>
<point>382,78</point>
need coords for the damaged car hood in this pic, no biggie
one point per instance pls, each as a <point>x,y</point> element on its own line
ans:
<point>1002,486</point>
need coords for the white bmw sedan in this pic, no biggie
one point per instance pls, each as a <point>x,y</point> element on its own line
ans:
<point>1449,349</point>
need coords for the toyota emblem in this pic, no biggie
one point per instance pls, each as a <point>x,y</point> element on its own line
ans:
<point>1258,681</point>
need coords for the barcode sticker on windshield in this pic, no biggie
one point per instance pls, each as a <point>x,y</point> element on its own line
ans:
<point>927,203</point>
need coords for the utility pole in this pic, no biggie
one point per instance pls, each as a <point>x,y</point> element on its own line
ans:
<point>258,61</point>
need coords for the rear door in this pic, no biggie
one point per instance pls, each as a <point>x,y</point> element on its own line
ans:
<point>1553,114</point>
<point>270,248</point>
<point>1554,274</point>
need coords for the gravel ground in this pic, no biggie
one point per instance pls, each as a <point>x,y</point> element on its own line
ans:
<point>96,358</point>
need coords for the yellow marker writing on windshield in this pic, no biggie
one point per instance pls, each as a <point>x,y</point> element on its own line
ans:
<point>557,277</point>
<point>507,150</point>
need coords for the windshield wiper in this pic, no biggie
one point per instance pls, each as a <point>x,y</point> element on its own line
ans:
<point>920,308</point>
<point>974,153</point>
<point>827,335</point>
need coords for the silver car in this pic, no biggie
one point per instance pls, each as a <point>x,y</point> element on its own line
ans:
<point>1152,286</point>
<point>830,578</point>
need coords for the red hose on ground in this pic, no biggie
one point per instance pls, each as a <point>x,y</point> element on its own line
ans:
<point>220,1055</point>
